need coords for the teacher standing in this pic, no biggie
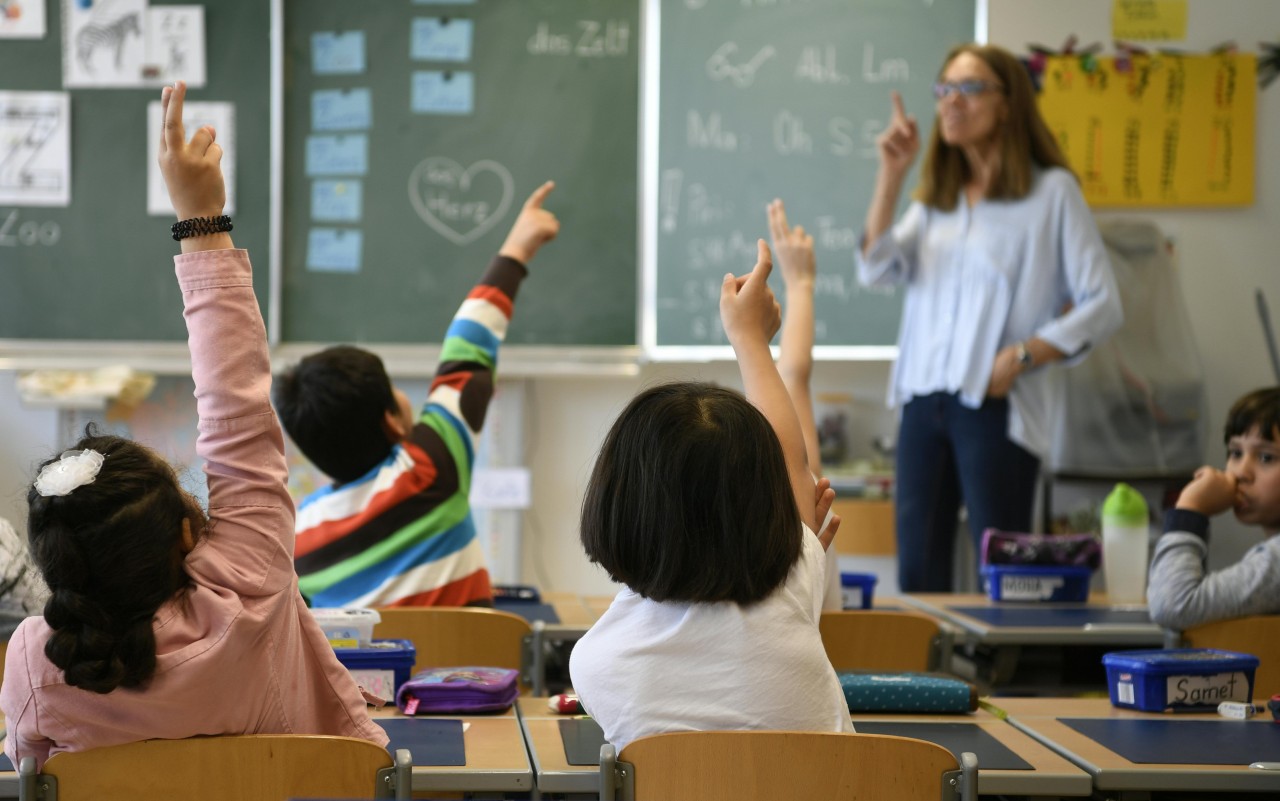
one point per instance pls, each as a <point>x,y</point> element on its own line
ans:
<point>1005,273</point>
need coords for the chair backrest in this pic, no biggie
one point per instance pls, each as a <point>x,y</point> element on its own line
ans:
<point>760,765</point>
<point>881,640</point>
<point>256,767</point>
<point>457,636</point>
<point>1258,635</point>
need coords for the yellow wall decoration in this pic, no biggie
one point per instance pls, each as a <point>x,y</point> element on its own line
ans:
<point>1170,130</point>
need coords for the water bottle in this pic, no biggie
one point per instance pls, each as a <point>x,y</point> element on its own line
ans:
<point>1124,545</point>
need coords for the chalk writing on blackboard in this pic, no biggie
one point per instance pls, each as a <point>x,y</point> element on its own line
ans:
<point>460,203</point>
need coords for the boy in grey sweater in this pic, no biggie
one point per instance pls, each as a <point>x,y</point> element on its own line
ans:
<point>1181,593</point>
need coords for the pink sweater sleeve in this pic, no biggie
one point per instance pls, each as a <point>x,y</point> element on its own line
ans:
<point>248,546</point>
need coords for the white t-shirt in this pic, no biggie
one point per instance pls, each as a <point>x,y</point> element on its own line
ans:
<point>649,668</point>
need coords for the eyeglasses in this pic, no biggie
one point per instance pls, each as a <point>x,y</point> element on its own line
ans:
<point>969,88</point>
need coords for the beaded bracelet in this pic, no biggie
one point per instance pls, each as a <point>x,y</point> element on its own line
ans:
<point>200,226</point>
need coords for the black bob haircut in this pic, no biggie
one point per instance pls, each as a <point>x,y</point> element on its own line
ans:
<point>333,404</point>
<point>1260,408</point>
<point>690,499</point>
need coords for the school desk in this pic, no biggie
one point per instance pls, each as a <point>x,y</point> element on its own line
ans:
<point>496,760</point>
<point>1189,743</point>
<point>1042,772</point>
<point>993,634</point>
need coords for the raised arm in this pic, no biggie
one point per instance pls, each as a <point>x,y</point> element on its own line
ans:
<point>751,317</point>
<point>464,381</point>
<point>793,248</point>
<point>898,145</point>
<point>239,439</point>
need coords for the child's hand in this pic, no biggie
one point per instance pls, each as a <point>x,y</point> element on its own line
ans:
<point>899,143</point>
<point>532,229</point>
<point>824,498</point>
<point>748,309</point>
<point>1210,492</point>
<point>191,170</point>
<point>794,248</point>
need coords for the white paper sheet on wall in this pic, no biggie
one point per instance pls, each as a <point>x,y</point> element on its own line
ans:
<point>104,43</point>
<point>35,148</point>
<point>222,117</point>
<point>22,19</point>
<point>175,46</point>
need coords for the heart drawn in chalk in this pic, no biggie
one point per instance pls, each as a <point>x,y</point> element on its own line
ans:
<point>460,204</point>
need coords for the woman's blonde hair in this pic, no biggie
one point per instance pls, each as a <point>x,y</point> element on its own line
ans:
<point>1025,139</point>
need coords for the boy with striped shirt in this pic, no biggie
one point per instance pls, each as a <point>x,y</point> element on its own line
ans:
<point>395,528</point>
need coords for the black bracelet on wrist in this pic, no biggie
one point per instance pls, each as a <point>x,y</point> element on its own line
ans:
<point>200,226</point>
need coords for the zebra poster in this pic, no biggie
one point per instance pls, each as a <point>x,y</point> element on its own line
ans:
<point>104,43</point>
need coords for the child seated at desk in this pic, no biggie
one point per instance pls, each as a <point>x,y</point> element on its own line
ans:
<point>702,503</point>
<point>1181,593</point>
<point>165,623</point>
<point>395,529</point>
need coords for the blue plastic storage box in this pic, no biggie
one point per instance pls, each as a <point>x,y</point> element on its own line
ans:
<point>857,589</point>
<point>1180,678</point>
<point>1059,583</point>
<point>382,667</point>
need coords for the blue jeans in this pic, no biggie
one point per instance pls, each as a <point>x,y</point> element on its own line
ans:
<point>947,453</point>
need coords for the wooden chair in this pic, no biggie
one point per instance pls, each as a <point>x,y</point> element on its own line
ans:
<point>881,640</point>
<point>256,767</point>
<point>1258,635</point>
<point>458,636</point>
<point>768,765</point>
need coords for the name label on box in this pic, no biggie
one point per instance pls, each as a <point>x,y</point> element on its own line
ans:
<point>1211,689</point>
<point>381,683</point>
<point>1029,588</point>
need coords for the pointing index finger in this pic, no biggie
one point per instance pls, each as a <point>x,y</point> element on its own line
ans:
<point>539,195</point>
<point>899,111</point>
<point>174,136</point>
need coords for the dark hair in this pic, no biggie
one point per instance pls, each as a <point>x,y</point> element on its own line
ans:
<point>111,553</point>
<point>1261,409</point>
<point>690,498</point>
<point>1025,139</point>
<point>333,404</point>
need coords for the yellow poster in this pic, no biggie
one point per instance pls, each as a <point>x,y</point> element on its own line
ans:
<point>1168,130</point>
<point>1149,20</point>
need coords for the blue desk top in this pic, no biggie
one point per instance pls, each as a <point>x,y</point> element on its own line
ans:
<point>955,737</point>
<point>431,741</point>
<point>529,610</point>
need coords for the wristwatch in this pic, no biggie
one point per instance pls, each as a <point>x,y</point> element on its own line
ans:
<point>1024,356</point>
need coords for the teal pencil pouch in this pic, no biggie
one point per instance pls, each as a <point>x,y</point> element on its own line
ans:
<point>919,693</point>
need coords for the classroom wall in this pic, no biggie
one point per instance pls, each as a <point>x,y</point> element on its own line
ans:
<point>1224,255</point>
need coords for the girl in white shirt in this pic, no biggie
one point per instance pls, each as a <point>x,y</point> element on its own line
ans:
<point>702,503</point>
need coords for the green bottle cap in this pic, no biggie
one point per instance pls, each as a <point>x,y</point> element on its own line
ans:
<point>1125,505</point>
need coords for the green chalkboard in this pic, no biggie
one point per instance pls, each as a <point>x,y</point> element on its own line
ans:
<point>101,268</point>
<point>781,98</point>
<point>413,134</point>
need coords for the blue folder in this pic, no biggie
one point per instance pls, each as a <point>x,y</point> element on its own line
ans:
<point>955,737</point>
<point>1027,617</point>
<point>431,741</point>
<point>529,610</point>
<point>1177,741</point>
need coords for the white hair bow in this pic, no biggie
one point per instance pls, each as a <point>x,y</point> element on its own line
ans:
<point>74,469</point>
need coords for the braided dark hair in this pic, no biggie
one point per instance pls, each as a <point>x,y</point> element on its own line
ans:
<point>111,552</point>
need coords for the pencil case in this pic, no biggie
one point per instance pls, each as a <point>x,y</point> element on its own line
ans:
<point>1058,550</point>
<point>459,689</point>
<point>906,692</point>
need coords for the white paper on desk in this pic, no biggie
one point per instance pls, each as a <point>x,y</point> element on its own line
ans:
<point>500,488</point>
<point>35,148</point>
<point>175,46</point>
<point>22,20</point>
<point>222,116</point>
<point>104,44</point>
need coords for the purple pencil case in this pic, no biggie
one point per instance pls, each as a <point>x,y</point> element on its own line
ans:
<point>459,689</point>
